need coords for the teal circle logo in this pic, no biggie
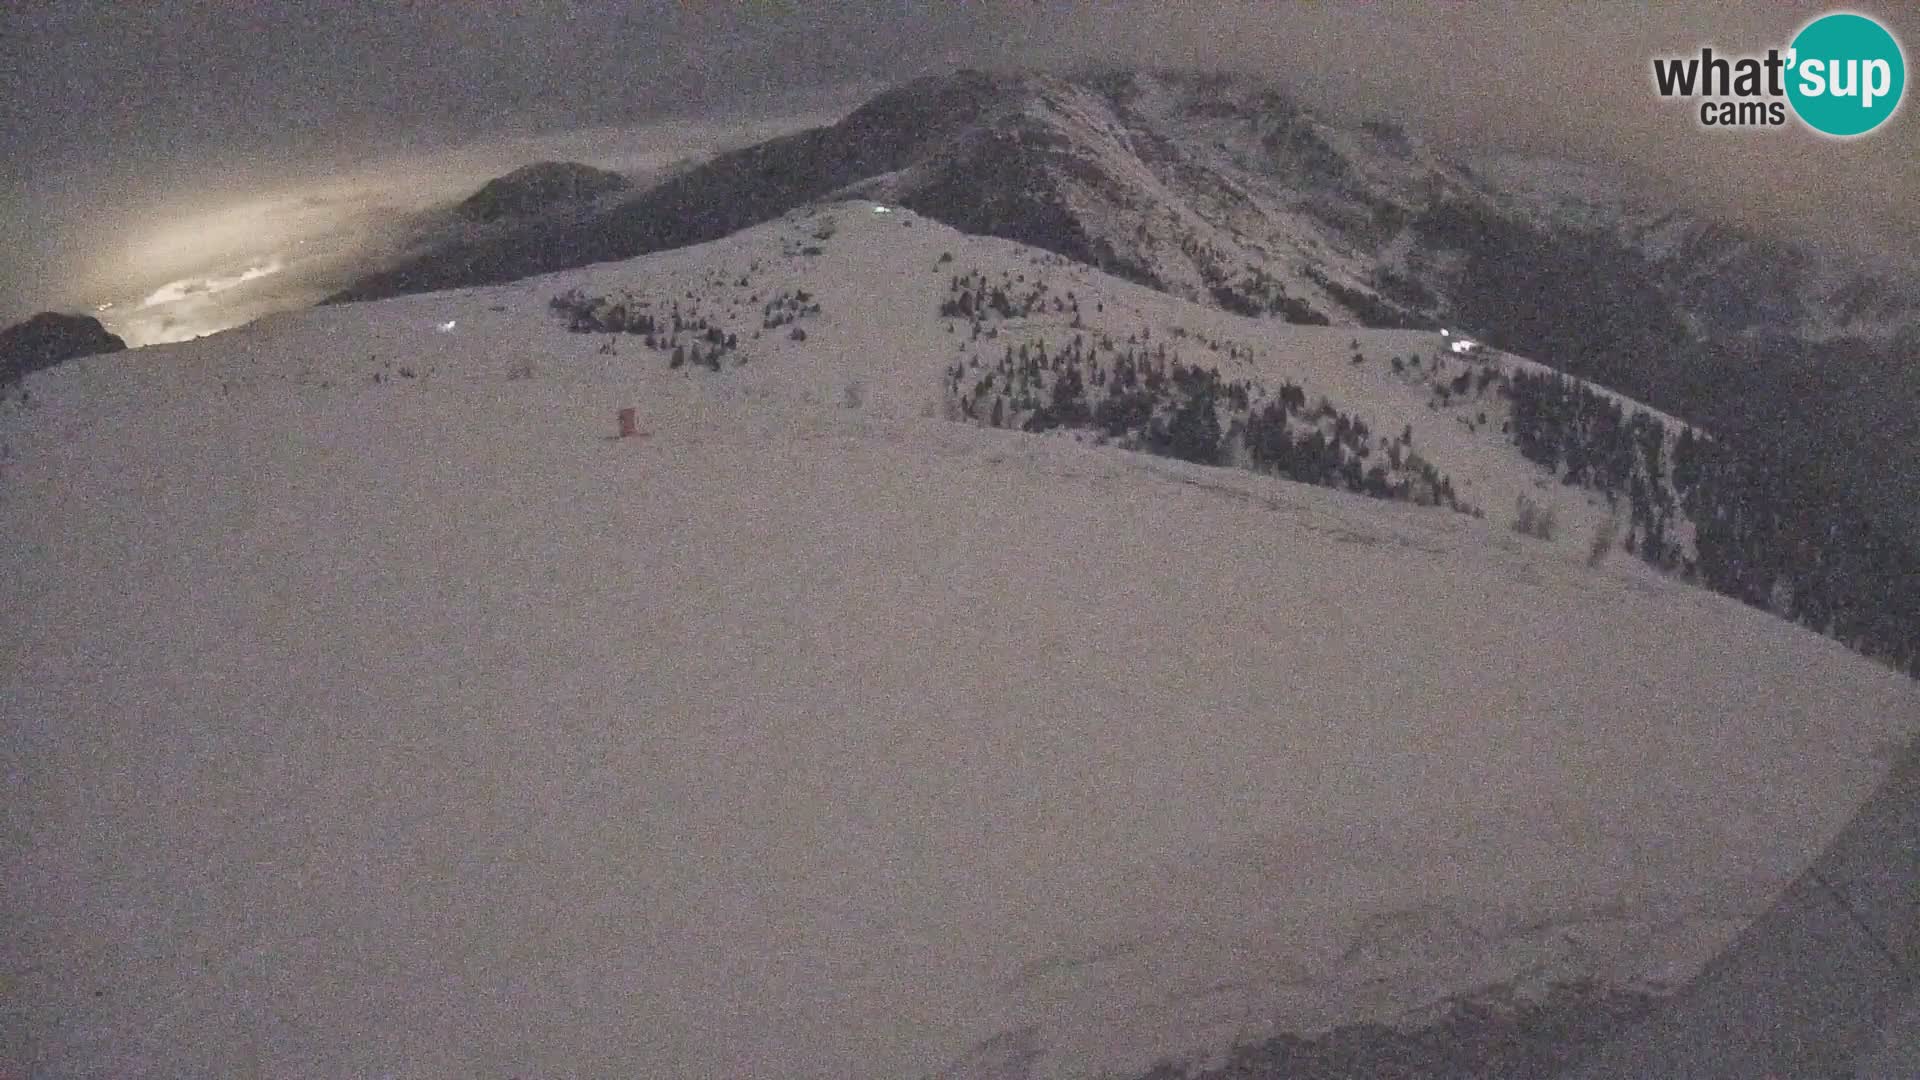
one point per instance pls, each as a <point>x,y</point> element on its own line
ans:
<point>1846,74</point>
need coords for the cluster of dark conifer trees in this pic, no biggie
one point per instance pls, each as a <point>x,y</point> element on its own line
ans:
<point>1373,310</point>
<point>1143,397</point>
<point>972,296</point>
<point>684,334</point>
<point>1258,294</point>
<point>1763,533</point>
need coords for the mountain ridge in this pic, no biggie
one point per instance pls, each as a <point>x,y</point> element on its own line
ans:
<point>1237,142</point>
<point>1224,190</point>
<point>543,187</point>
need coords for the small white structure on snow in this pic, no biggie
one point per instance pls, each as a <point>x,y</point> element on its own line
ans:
<point>1462,346</point>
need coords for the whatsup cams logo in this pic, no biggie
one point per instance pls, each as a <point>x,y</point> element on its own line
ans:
<point>1843,75</point>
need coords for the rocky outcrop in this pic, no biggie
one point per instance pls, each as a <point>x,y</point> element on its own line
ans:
<point>50,338</point>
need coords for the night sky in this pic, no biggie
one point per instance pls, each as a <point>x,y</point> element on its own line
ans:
<point>122,120</point>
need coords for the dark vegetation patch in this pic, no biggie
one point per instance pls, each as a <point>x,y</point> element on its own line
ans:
<point>1256,293</point>
<point>1763,534</point>
<point>1806,460</point>
<point>1371,310</point>
<point>681,330</point>
<point>1140,395</point>
<point>1479,1038</point>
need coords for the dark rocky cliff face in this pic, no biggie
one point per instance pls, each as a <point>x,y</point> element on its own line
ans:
<point>48,339</point>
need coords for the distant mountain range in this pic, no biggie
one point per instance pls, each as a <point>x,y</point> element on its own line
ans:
<point>1216,188</point>
<point>1225,190</point>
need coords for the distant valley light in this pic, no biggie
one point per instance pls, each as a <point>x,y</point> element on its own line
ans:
<point>209,285</point>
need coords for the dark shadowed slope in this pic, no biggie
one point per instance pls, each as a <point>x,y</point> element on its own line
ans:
<point>734,190</point>
<point>50,338</point>
<point>540,188</point>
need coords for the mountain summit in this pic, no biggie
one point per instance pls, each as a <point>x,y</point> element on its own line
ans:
<point>540,188</point>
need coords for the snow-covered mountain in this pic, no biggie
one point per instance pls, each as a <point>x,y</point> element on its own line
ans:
<point>1729,279</point>
<point>375,710</point>
<point>1224,190</point>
